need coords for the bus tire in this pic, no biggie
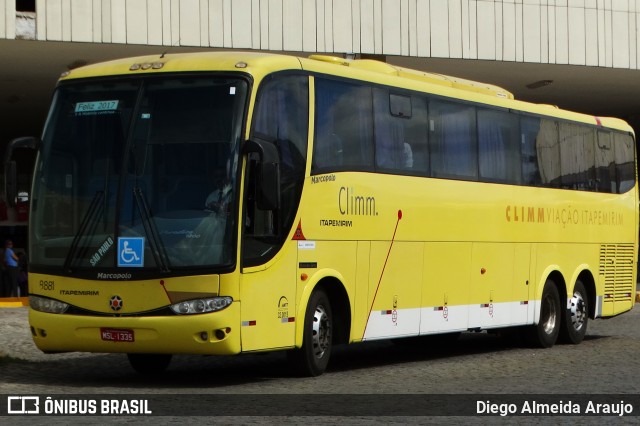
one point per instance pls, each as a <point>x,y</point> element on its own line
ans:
<point>313,357</point>
<point>148,364</point>
<point>545,333</point>
<point>576,316</point>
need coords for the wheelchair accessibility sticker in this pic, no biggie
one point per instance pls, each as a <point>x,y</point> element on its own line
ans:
<point>131,251</point>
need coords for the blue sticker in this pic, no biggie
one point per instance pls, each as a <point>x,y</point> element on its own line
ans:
<point>131,252</point>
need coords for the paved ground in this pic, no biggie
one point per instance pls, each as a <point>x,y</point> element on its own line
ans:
<point>479,364</point>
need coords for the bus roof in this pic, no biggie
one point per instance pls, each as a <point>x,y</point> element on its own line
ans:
<point>259,64</point>
<point>252,62</point>
<point>444,80</point>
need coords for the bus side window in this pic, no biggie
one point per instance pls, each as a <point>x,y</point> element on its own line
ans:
<point>281,116</point>
<point>625,164</point>
<point>605,164</point>
<point>529,128</point>
<point>416,134</point>
<point>498,146</point>
<point>453,143</point>
<point>392,153</point>
<point>577,158</point>
<point>344,128</point>
<point>548,152</point>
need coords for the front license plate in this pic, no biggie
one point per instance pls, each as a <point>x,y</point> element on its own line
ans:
<point>117,334</point>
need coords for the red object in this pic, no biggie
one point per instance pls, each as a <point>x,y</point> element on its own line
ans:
<point>298,235</point>
<point>22,211</point>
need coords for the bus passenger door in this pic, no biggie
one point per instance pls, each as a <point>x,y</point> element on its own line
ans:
<point>268,281</point>
<point>268,289</point>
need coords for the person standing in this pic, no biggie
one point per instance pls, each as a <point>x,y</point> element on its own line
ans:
<point>11,262</point>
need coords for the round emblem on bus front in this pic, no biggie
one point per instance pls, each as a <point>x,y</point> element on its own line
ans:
<point>116,303</point>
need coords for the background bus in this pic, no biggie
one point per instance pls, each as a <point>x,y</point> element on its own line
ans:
<point>219,203</point>
<point>14,213</point>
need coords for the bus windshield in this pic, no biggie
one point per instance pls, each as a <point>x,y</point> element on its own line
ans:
<point>139,173</point>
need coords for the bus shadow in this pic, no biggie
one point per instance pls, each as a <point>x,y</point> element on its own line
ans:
<point>426,348</point>
<point>112,372</point>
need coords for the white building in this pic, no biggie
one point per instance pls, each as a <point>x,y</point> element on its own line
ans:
<point>580,54</point>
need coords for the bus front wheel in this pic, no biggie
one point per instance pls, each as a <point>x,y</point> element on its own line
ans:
<point>545,333</point>
<point>148,364</point>
<point>313,357</point>
<point>576,316</point>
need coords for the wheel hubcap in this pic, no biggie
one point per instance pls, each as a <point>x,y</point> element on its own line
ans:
<point>321,332</point>
<point>578,310</point>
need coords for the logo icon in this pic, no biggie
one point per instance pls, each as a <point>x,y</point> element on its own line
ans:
<point>23,405</point>
<point>131,252</point>
<point>283,309</point>
<point>115,303</point>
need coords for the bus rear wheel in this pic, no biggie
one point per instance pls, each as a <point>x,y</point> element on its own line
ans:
<point>148,364</point>
<point>545,333</point>
<point>576,316</point>
<point>317,341</point>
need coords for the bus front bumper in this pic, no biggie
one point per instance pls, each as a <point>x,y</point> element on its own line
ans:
<point>216,333</point>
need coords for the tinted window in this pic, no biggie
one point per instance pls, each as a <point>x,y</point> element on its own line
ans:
<point>400,106</point>
<point>453,140</point>
<point>344,128</point>
<point>499,150</point>
<point>605,166</point>
<point>577,157</point>
<point>418,135</point>
<point>282,117</point>
<point>548,149</point>
<point>625,162</point>
<point>392,152</point>
<point>529,129</point>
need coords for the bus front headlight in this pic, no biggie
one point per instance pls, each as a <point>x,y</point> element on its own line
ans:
<point>44,304</point>
<point>201,306</point>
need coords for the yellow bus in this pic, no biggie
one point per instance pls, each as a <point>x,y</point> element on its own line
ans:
<point>225,203</point>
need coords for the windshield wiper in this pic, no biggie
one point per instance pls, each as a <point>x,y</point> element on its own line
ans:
<point>87,220</point>
<point>155,243</point>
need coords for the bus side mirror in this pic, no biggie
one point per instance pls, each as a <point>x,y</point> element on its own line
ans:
<point>10,170</point>
<point>268,173</point>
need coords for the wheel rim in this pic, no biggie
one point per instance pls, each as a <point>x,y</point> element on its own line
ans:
<point>549,315</point>
<point>578,311</point>
<point>321,332</point>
